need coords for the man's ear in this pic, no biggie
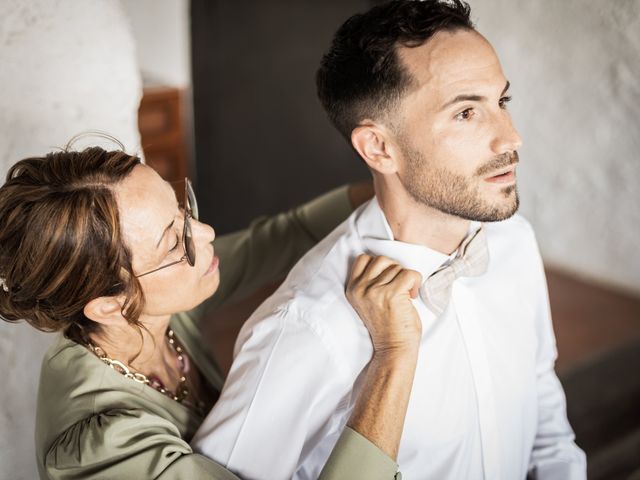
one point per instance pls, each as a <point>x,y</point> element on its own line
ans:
<point>106,311</point>
<point>374,144</point>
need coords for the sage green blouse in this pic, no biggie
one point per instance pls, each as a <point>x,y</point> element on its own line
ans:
<point>92,422</point>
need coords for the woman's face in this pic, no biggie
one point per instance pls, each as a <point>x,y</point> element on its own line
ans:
<point>152,224</point>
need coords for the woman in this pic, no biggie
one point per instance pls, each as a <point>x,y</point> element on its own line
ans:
<point>95,245</point>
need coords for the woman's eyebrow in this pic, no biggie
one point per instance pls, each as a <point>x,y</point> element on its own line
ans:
<point>167,228</point>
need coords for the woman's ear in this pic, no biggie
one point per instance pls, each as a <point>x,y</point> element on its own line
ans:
<point>373,142</point>
<point>106,311</point>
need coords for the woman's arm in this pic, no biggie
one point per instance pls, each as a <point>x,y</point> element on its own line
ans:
<point>144,445</point>
<point>265,252</point>
<point>381,293</point>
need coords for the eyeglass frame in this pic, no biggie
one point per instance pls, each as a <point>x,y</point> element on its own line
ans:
<point>190,211</point>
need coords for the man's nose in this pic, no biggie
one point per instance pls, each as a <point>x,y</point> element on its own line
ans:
<point>506,137</point>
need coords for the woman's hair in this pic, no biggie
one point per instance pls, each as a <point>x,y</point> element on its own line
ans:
<point>61,243</point>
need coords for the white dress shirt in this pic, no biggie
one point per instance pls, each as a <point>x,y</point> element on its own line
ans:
<point>486,402</point>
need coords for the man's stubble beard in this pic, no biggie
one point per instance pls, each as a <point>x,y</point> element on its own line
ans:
<point>454,194</point>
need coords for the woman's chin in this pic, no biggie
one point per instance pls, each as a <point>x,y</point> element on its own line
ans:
<point>211,284</point>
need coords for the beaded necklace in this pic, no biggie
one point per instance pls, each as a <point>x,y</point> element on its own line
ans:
<point>181,393</point>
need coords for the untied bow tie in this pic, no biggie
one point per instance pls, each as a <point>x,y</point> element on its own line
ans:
<point>472,260</point>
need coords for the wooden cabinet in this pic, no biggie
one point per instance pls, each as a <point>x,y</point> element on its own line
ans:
<point>162,131</point>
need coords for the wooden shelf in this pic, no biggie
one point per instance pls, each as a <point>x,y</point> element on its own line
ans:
<point>162,132</point>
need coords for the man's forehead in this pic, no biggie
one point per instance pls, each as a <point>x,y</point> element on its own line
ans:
<point>452,61</point>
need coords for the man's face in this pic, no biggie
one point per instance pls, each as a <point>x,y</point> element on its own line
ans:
<point>455,135</point>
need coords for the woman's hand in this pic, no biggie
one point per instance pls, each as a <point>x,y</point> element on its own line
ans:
<point>380,291</point>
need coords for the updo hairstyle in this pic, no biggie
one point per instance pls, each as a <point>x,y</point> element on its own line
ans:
<point>61,243</point>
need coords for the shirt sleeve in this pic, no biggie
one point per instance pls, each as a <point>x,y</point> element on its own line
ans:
<point>356,458</point>
<point>555,455</point>
<point>276,406</point>
<point>127,444</point>
<point>270,247</point>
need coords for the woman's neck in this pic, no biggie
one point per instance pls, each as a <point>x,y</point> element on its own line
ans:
<point>143,348</point>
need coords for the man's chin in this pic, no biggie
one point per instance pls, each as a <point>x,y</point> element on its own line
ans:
<point>503,211</point>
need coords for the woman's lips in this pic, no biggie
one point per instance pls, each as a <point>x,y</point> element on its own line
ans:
<point>214,265</point>
<point>507,177</point>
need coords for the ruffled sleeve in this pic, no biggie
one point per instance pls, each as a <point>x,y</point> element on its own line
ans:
<point>127,444</point>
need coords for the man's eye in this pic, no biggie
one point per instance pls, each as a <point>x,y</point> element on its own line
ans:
<point>504,101</point>
<point>465,114</point>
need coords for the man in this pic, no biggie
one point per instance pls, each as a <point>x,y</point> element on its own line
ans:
<point>422,98</point>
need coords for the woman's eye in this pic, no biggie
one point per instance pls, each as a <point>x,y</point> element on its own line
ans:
<point>176,245</point>
<point>465,114</point>
<point>504,101</point>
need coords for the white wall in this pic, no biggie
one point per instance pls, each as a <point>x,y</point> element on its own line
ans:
<point>161,33</point>
<point>65,66</point>
<point>575,69</point>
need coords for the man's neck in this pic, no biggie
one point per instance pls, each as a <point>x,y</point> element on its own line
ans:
<point>417,223</point>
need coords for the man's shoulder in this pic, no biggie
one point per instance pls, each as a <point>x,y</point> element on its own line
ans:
<point>311,301</point>
<point>318,280</point>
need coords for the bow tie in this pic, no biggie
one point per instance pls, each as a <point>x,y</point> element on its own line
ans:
<point>472,260</point>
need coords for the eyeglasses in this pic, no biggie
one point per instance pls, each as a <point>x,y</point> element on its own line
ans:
<point>190,211</point>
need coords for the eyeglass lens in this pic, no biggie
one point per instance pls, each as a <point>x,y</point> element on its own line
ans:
<point>191,206</point>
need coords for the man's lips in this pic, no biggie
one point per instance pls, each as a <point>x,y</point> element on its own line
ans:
<point>507,175</point>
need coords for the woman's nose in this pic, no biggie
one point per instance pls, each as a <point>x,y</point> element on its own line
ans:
<point>202,231</point>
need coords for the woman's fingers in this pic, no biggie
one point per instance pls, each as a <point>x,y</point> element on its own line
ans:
<point>376,266</point>
<point>388,275</point>
<point>358,267</point>
<point>368,271</point>
<point>379,290</point>
<point>407,281</point>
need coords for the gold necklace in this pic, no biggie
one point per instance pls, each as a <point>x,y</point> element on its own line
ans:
<point>181,393</point>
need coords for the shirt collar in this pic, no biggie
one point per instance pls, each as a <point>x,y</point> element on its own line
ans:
<point>377,239</point>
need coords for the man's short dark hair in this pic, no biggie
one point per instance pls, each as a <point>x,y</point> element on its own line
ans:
<point>361,75</point>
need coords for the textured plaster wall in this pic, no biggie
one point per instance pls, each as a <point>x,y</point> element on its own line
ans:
<point>162,39</point>
<point>66,66</point>
<point>575,69</point>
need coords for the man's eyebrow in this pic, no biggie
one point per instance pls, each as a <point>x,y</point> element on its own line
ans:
<point>471,98</point>
<point>167,228</point>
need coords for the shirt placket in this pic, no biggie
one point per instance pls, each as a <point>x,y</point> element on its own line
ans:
<point>465,309</point>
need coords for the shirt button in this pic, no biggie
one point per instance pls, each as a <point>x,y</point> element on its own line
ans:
<point>398,476</point>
